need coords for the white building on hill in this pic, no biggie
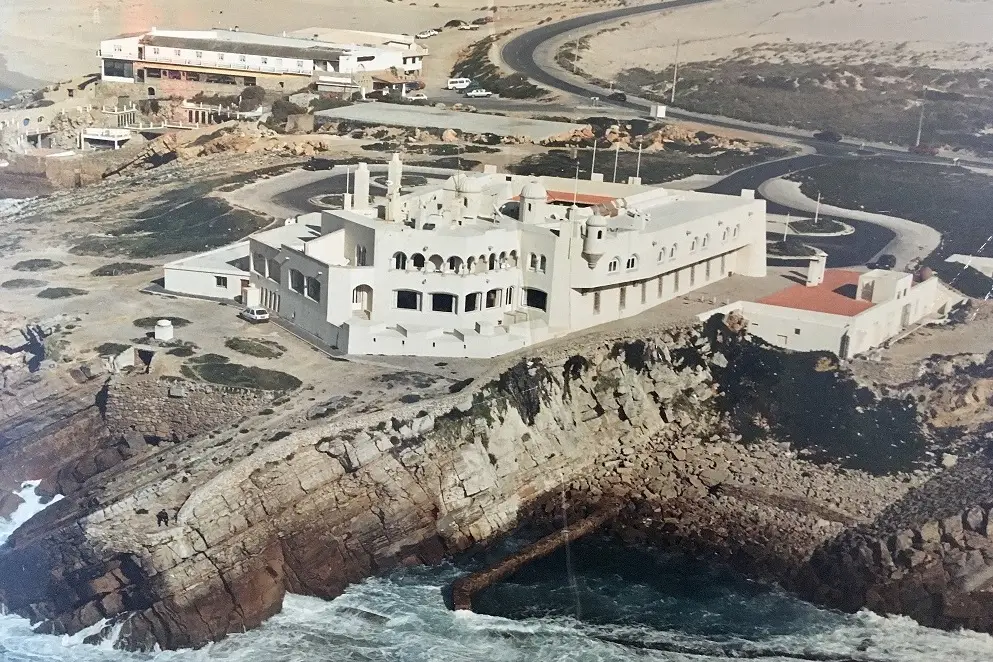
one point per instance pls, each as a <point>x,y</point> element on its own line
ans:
<point>186,61</point>
<point>484,264</point>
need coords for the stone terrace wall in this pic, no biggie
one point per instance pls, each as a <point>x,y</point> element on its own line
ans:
<point>175,410</point>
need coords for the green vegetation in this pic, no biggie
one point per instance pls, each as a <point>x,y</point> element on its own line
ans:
<point>149,322</point>
<point>327,103</point>
<point>475,63</point>
<point>792,247</point>
<point>823,225</point>
<point>952,200</point>
<point>241,376</point>
<point>656,167</point>
<point>39,264</point>
<point>209,358</point>
<point>22,283</point>
<point>258,347</point>
<point>873,101</point>
<point>110,348</point>
<point>60,293</point>
<point>182,352</point>
<point>121,269</point>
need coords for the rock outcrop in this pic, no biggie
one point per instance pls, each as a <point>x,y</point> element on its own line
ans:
<point>696,430</point>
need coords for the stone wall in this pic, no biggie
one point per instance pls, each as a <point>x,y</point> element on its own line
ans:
<point>171,410</point>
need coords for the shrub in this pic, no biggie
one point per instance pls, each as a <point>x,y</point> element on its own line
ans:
<point>22,283</point>
<point>263,349</point>
<point>39,264</point>
<point>61,293</point>
<point>149,322</point>
<point>121,269</point>
<point>110,348</point>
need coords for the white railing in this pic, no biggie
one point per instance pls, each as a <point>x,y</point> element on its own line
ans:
<point>112,110</point>
<point>106,134</point>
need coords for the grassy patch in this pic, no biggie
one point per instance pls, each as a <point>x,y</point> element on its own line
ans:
<point>149,322</point>
<point>823,225</point>
<point>873,101</point>
<point>110,348</point>
<point>39,264</point>
<point>655,168</point>
<point>22,283</point>
<point>209,358</point>
<point>258,347</point>
<point>792,247</point>
<point>61,293</point>
<point>236,375</point>
<point>182,352</point>
<point>121,269</point>
<point>475,63</point>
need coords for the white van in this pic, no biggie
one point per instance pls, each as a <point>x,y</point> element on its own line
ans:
<point>458,83</point>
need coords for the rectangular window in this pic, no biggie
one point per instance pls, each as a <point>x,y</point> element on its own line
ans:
<point>796,332</point>
<point>259,263</point>
<point>313,289</point>
<point>408,300</point>
<point>220,56</point>
<point>155,51</point>
<point>296,281</point>
<point>472,302</point>
<point>624,297</point>
<point>535,298</point>
<point>509,301</point>
<point>493,298</point>
<point>221,281</point>
<point>117,48</point>
<point>241,58</point>
<point>596,303</point>
<point>177,52</point>
<point>272,269</point>
<point>265,60</point>
<point>443,303</point>
<point>299,63</point>
<point>198,54</point>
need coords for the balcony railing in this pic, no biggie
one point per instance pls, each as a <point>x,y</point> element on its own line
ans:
<point>224,64</point>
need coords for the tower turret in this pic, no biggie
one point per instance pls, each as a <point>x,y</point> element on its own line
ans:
<point>595,241</point>
<point>533,199</point>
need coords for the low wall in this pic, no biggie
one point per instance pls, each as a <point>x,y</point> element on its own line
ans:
<point>175,410</point>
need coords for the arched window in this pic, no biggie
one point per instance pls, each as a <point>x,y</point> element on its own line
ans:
<point>533,261</point>
<point>599,234</point>
<point>693,245</point>
<point>632,262</point>
<point>455,264</point>
<point>672,251</point>
<point>437,262</point>
<point>662,255</point>
<point>502,260</point>
<point>470,264</point>
<point>493,262</point>
<point>613,264</point>
<point>417,260</point>
<point>737,229</point>
<point>542,264</point>
<point>399,260</point>
<point>724,236</point>
<point>513,258</point>
<point>706,240</point>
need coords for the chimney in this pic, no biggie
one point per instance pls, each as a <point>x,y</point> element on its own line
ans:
<point>815,271</point>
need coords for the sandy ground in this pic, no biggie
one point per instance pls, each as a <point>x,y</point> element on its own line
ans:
<point>951,34</point>
<point>51,40</point>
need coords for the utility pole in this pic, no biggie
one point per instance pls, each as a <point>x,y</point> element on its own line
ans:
<point>593,162</point>
<point>675,73</point>
<point>786,228</point>
<point>637,170</point>
<point>920,120</point>
<point>575,186</point>
<point>817,209</point>
<point>617,153</point>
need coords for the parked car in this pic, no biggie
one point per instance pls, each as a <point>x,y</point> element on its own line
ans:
<point>617,96</point>
<point>417,96</point>
<point>885,261</point>
<point>255,314</point>
<point>426,34</point>
<point>458,83</point>
<point>478,92</point>
<point>416,85</point>
<point>828,136</point>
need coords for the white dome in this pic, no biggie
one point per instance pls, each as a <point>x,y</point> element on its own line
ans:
<point>596,221</point>
<point>472,185</point>
<point>533,190</point>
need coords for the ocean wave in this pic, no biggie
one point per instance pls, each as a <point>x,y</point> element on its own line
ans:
<point>404,618</point>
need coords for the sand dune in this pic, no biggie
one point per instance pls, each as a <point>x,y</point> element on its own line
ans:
<point>951,34</point>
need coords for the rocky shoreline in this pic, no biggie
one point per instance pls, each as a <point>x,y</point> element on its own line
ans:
<point>694,429</point>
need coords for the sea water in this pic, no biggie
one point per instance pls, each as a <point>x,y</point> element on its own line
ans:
<point>624,605</point>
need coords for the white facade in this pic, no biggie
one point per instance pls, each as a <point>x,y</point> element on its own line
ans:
<point>890,303</point>
<point>449,271</point>
<point>217,274</point>
<point>248,53</point>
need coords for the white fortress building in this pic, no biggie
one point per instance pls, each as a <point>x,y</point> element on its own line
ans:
<point>186,61</point>
<point>486,263</point>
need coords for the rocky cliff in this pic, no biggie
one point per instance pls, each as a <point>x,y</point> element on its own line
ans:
<point>703,435</point>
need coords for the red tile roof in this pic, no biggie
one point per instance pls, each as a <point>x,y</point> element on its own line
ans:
<point>836,295</point>
<point>580,198</point>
